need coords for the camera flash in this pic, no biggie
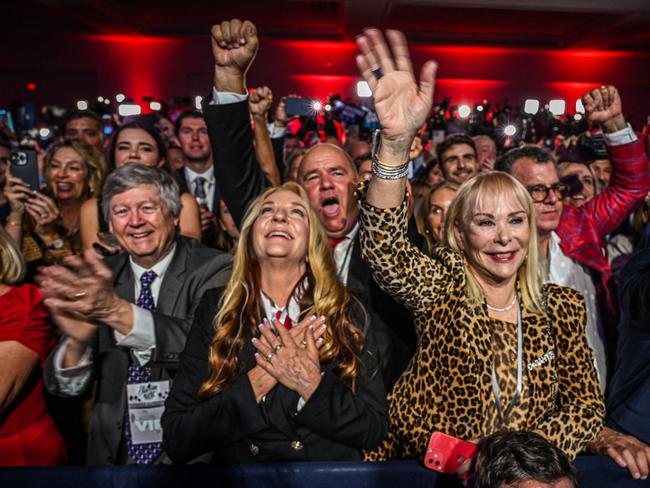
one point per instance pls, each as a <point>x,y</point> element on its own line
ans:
<point>82,105</point>
<point>510,130</point>
<point>464,111</point>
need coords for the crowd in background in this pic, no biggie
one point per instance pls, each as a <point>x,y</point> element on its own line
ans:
<point>221,257</point>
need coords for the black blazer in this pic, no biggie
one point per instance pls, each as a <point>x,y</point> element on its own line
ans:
<point>335,424</point>
<point>242,181</point>
<point>193,270</point>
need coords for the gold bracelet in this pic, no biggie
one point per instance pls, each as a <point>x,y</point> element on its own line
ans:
<point>11,222</point>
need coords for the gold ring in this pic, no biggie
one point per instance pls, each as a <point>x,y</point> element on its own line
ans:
<point>269,356</point>
<point>303,343</point>
<point>277,347</point>
<point>79,295</point>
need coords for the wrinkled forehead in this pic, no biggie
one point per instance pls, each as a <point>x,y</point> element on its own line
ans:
<point>325,157</point>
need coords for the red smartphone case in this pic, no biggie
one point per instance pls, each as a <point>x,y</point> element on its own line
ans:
<point>446,453</point>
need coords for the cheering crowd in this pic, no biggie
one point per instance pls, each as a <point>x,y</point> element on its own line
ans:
<point>241,288</point>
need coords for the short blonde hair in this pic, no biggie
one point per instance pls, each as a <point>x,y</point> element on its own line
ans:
<point>12,263</point>
<point>470,196</point>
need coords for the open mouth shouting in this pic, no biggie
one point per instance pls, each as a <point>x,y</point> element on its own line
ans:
<point>330,206</point>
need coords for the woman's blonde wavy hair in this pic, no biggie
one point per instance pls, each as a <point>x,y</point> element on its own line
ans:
<point>471,196</point>
<point>321,293</point>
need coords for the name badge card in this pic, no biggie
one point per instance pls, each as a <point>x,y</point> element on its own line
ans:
<point>146,403</point>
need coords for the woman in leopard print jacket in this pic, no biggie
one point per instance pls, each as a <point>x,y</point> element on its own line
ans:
<point>496,350</point>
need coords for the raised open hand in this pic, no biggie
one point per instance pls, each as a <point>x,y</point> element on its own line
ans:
<point>603,106</point>
<point>234,45</point>
<point>401,103</point>
<point>260,101</point>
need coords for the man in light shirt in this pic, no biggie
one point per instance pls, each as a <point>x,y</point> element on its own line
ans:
<point>125,320</point>
<point>572,238</point>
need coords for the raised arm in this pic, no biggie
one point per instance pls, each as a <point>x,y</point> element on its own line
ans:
<point>234,45</point>
<point>402,107</point>
<point>260,102</point>
<point>630,177</point>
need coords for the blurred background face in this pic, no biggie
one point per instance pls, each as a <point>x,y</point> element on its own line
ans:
<point>459,163</point>
<point>193,136</point>
<point>435,176</point>
<point>486,153</point>
<point>176,158</point>
<point>85,129</point>
<point>580,181</point>
<point>136,146</point>
<point>602,170</point>
<point>439,202</point>
<point>67,175</point>
<point>365,170</point>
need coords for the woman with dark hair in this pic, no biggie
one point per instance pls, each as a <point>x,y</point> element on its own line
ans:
<point>28,436</point>
<point>47,224</point>
<point>134,143</point>
<point>304,384</point>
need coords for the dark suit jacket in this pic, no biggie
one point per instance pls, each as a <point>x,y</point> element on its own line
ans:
<point>628,400</point>
<point>242,181</point>
<point>193,270</point>
<point>335,424</point>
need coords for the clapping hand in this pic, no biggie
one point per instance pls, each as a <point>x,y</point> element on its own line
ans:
<point>603,106</point>
<point>291,357</point>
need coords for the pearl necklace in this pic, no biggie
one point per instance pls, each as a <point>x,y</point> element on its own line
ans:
<point>504,309</point>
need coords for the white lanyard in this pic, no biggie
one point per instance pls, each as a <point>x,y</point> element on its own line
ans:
<point>520,370</point>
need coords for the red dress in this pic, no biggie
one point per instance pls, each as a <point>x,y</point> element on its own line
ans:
<point>28,436</point>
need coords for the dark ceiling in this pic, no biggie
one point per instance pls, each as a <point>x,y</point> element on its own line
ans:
<point>555,24</point>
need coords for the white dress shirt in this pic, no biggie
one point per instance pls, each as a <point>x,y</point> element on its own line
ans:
<point>343,254</point>
<point>141,340</point>
<point>565,271</point>
<point>210,182</point>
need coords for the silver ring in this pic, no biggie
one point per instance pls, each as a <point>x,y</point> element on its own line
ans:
<point>378,73</point>
<point>45,215</point>
<point>277,347</point>
<point>269,356</point>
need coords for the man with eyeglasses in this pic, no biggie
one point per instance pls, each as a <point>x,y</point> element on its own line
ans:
<point>572,238</point>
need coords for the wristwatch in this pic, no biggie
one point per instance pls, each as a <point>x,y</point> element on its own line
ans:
<point>56,244</point>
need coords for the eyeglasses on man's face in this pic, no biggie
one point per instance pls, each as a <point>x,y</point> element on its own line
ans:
<point>539,193</point>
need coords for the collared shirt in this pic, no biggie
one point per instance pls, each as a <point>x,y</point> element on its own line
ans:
<point>565,271</point>
<point>210,182</point>
<point>343,254</point>
<point>293,310</point>
<point>141,340</point>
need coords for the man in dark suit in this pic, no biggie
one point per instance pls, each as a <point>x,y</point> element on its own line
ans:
<point>126,320</point>
<point>197,176</point>
<point>327,173</point>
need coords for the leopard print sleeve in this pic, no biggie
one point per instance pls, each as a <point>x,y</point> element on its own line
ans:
<point>398,266</point>
<point>579,408</point>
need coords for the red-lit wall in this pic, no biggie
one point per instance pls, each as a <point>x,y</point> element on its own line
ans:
<point>68,68</point>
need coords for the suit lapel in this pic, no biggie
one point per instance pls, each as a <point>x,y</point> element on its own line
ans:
<point>173,280</point>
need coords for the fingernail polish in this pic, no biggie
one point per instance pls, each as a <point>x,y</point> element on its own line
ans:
<point>261,326</point>
<point>313,317</point>
<point>323,326</point>
<point>254,340</point>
